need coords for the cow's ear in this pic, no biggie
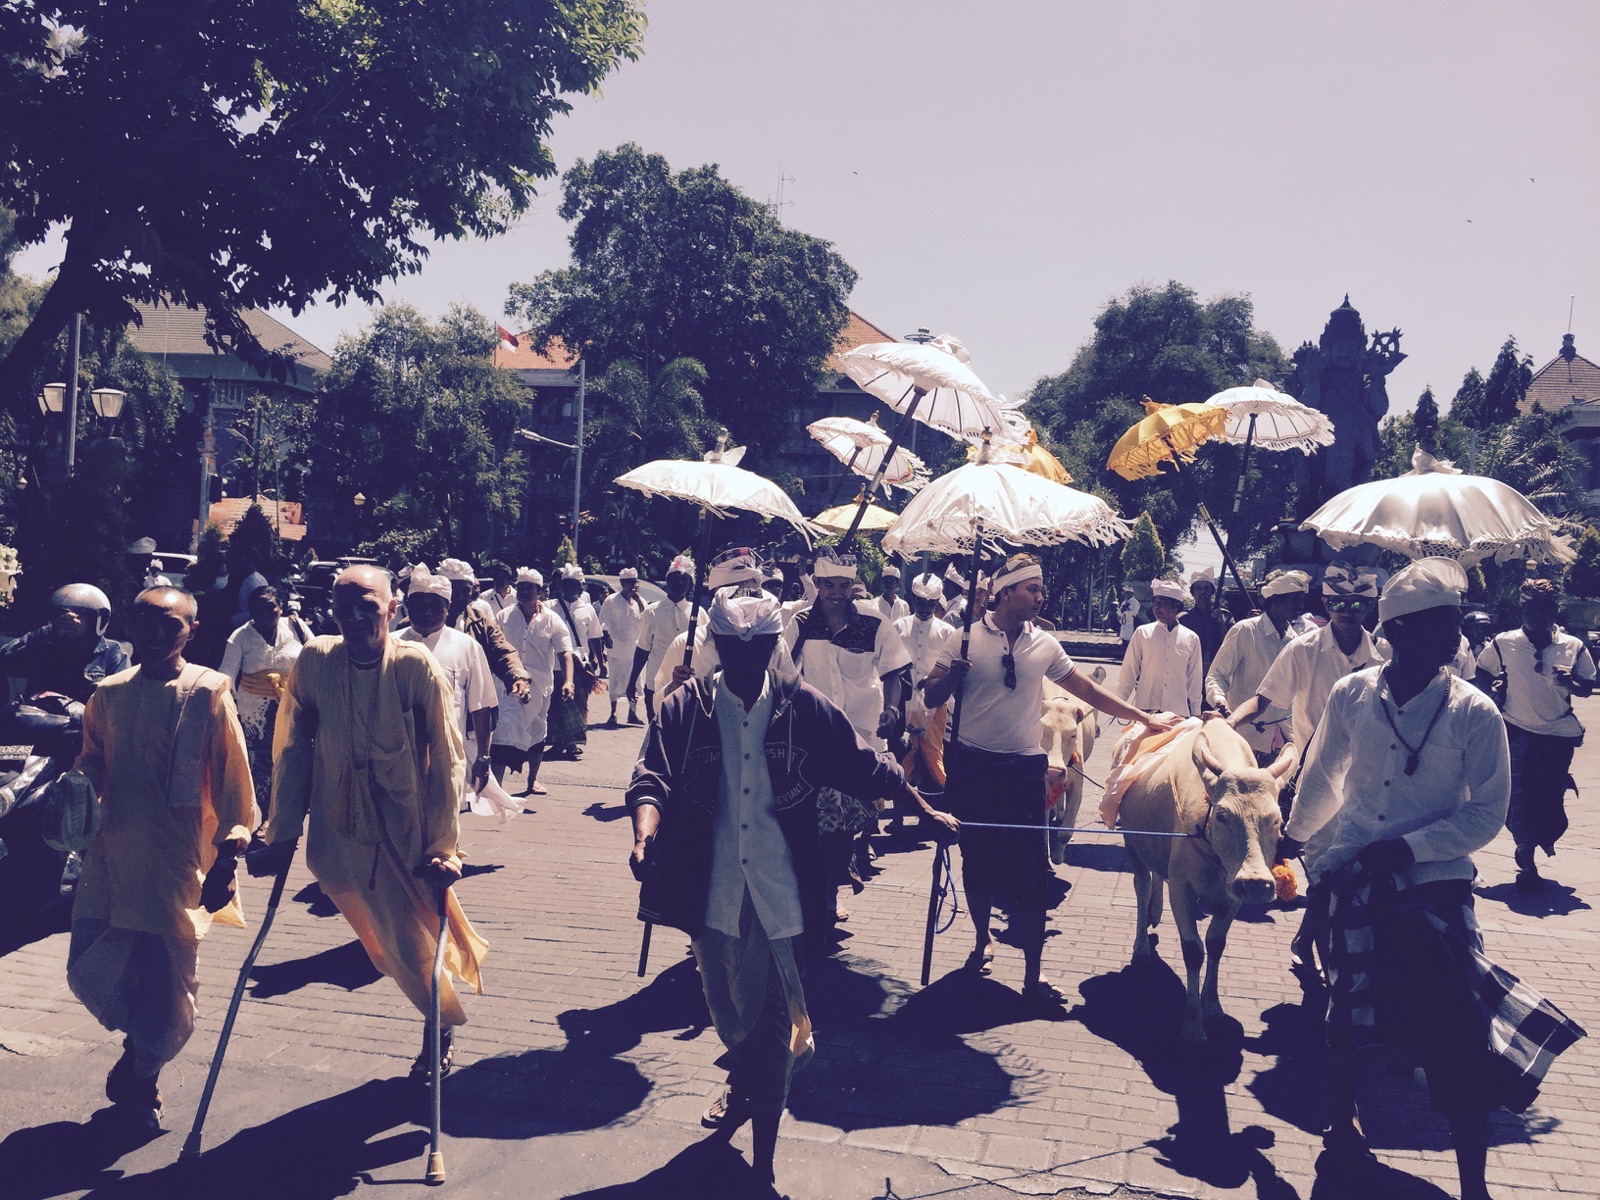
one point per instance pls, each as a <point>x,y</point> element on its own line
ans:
<point>1098,675</point>
<point>1283,766</point>
<point>1209,766</point>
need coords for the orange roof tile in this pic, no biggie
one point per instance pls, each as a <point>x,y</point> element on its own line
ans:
<point>523,357</point>
<point>287,516</point>
<point>857,331</point>
<point>1560,383</point>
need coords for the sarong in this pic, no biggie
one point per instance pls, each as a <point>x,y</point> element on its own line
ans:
<point>1001,789</point>
<point>1541,772</point>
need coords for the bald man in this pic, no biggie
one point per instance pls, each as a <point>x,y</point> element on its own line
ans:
<point>368,747</point>
<point>164,753</point>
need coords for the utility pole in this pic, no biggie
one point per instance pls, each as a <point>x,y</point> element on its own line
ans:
<point>70,442</point>
<point>577,469</point>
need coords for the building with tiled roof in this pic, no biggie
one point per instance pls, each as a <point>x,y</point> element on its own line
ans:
<point>217,387</point>
<point>1569,386</point>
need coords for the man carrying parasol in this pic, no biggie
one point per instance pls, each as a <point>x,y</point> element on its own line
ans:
<point>995,769</point>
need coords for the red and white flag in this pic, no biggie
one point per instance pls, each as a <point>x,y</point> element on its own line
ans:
<point>507,336</point>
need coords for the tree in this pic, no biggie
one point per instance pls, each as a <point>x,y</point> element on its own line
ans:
<point>636,420</point>
<point>1583,577</point>
<point>272,153</point>
<point>1143,557</point>
<point>1426,420</point>
<point>1166,344</point>
<point>415,416</point>
<point>1466,407</point>
<point>668,266</point>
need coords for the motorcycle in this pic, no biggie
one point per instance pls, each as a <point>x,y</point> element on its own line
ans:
<point>40,738</point>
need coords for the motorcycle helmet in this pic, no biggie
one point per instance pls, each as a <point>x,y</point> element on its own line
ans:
<point>84,596</point>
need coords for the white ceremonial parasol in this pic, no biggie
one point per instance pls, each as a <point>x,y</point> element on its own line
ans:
<point>717,488</point>
<point>1263,416</point>
<point>861,445</point>
<point>928,382</point>
<point>1435,509</point>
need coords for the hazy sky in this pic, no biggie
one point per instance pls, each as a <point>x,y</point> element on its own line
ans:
<point>1000,170</point>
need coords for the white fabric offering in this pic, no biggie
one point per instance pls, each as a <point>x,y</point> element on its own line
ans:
<point>1451,805</point>
<point>994,717</point>
<point>1302,677</point>
<point>1247,652</point>
<point>1161,670</point>
<point>1534,700</point>
<point>748,846</point>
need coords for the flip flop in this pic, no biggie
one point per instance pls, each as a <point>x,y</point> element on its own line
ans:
<point>980,961</point>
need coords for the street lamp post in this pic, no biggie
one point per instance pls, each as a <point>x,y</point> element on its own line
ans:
<point>360,501</point>
<point>57,398</point>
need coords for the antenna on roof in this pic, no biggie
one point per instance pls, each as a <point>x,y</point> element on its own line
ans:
<point>776,207</point>
<point>1572,302</point>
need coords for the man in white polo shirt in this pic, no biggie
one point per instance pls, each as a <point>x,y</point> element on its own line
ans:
<point>995,767</point>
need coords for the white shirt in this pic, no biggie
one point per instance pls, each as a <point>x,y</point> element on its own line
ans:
<point>539,642</point>
<point>663,621</point>
<point>749,851</point>
<point>582,622</point>
<point>1247,651</point>
<point>1534,701</point>
<point>1303,675</point>
<point>1129,611</point>
<point>892,611</point>
<point>1161,670</point>
<point>490,602</point>
<point>923,641</point>
<point>1355,776</point>
<point>994,717</point>
<point>848,667</point>
<point>465,666</point>
<point>248,653</point>
<point>624,621</point>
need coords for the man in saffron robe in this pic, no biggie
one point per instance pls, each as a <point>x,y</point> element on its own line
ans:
<point>368,747</point>
<point>164,754</point>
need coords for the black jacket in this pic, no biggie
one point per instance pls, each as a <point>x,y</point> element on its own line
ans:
<point>810,745</point>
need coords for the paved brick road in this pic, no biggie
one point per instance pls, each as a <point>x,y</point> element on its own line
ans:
<point>576,1078</point>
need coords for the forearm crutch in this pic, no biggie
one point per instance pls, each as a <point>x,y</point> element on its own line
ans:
<point>191,1144</point>
<point>435,1172</point>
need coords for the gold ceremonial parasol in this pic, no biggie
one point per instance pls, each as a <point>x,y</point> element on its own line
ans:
<point>874,520</point>
<point>1169,433</point>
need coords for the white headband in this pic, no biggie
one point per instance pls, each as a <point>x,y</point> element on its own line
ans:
<point>425,583</point>
<point>682,565</point>
<point>529,575</point>
<point>1424,584</point>
<point>927,587</point>
<point>571,571</point>
<point>834,568</point>
<point>1022,574</point>
<point>1286,583</point>
<point>455,568</point>
<point>1165,589</point>
<point>744,617</point>
<point>628,573</point>
<point>734,569</point>
<point>1339,580</point>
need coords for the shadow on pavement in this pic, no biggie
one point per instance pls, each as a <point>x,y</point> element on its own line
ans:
<point>317,1152</point>
<point>316,901</point>
<point>1140,1010</point>
<point>1394,1107</point>
<point>65,1156</point>
<point>1103,855</point>
<point>606,812</point>
<point>346,966</point>
<point>1552,900</point>
<point>909,1066</point>
<point>1341,1178</point>
<point>708,1168</point>
<point>672,1000</point>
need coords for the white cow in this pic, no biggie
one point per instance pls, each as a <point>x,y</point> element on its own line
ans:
<point>1209,786</point>
<point>1068,727</point>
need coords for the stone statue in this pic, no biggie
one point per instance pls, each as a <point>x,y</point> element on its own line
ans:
<point>1343,376</point>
